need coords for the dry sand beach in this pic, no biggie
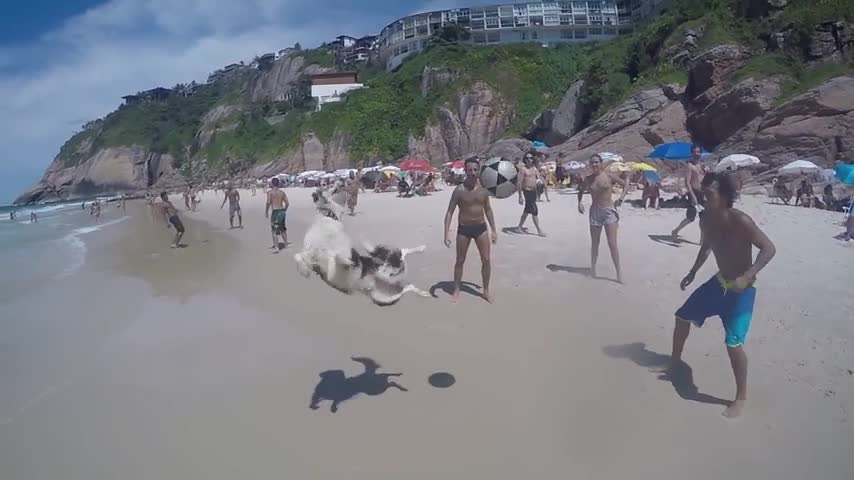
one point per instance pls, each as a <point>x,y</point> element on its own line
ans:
<point>199,363</point>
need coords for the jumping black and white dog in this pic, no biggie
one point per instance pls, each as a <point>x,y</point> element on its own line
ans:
<point>328,250</point>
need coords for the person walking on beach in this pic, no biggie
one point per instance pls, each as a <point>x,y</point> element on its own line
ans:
<point>731,235</point>
<point>352,186</point>
<point>528,178</point>
<point>473,201</point>
<point>34,218</point>
<point>170,214</point>
<point>603,212</point>
<point>96,210</point>
<point>187,194</point>
<point>233,198</point>
<point>693,180</point>
<point>277,200</point>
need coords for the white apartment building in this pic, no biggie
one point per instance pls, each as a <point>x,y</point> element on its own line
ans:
<point>330,87</point>
<point>547,23</point>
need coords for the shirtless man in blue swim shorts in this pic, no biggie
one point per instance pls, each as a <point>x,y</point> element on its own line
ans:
<point>731,235</point>
<point>473,201</point>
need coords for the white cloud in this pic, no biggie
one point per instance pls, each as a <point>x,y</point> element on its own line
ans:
<point>81,70</point>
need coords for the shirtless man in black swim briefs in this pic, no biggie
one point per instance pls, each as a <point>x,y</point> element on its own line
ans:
<point>693,179</point>
<point>473,201</point>
<point>170,214</point>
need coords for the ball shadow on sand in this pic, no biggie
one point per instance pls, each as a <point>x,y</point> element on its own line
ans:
<point>681,376</point>
<point>337,387</point>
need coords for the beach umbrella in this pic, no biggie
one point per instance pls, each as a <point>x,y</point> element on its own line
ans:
<point>652,177</point>
<point>610,157</point>
<point>415,165</point>
<point>390,168</point>
<point>456,165</point>
<point>674,151</point>
<point>309,173</point>
<point>538,145</point>
<point>799,167</point>
<point>573,165</point>
<point>643,167</point>
<point>736,161</point>
<point>845,173</point>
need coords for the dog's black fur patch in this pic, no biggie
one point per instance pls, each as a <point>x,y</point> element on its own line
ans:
<point>391,256</point>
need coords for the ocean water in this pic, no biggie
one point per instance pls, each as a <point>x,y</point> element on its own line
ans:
<point>53,248</point>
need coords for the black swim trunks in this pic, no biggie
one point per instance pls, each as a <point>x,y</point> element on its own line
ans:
<point>531,202</point>
<point>691,213</point>
<point>471,231</point>
<point>179,226</point>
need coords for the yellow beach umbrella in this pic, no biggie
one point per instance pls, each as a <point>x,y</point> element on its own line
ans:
<point>644,167</point>
<point>616,167</point>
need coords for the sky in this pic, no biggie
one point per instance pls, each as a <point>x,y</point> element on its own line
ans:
<point>65,62</point>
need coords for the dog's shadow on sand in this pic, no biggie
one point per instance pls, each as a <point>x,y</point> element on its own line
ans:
<point>337,387</point>
<point>583,271</point>
<point>670,240</point>
<point>448,287</point>
<point>680,376</point>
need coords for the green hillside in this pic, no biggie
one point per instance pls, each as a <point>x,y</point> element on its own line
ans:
<point>381,117</point>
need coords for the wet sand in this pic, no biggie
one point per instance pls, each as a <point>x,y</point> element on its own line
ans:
<point>201,362</point>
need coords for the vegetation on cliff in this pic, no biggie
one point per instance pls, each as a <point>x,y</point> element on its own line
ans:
<point>381,118</point>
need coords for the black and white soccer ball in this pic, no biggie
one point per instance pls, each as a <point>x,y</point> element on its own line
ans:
<point>498,176</point>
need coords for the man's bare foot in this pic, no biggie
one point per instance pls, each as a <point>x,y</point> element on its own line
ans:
<point>174,245</point>
<point>455,297</point>
<point>620,280</point>
<point>542,234</point>
<point>486,296</point>
<point>593,273</point>
<point>674,233</point>
<point>735,409</point>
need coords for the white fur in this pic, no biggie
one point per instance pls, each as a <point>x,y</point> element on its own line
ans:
<point>327,250</point>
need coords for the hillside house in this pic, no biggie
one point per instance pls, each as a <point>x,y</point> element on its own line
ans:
<point>158,94</point>
<point>329,87</point>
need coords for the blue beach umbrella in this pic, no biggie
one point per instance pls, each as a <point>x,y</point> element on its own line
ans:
<point>845,172</point>
<point>673,151</point>
<point>652,177</point>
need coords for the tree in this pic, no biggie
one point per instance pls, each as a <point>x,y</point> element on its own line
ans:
<point>297,47</point>
<point>450,34</point>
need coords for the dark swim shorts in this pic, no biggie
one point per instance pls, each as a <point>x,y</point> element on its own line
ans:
<point>531,202</point>
<point>471,231</point>
<point>176,222</point>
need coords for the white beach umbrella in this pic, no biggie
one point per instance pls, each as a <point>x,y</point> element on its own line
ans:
<point>573,165</point>
<point>799,167</point>
<point>610,157</point>
<point>736,161</point>
<point>309,173</point>
<point>390,168</point>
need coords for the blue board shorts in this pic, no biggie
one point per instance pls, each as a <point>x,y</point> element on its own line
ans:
<point>734,308</point>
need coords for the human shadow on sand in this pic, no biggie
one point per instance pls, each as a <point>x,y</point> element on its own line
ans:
<point>448,287</point>
<point>516,231</point>
<point>681,376</point>
<point>584,271</point>
<point>670,240</point>
<point>337,387</point>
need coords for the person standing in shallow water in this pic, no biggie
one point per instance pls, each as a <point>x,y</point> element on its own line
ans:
<point>473,201</point>
<point>730,294</point>
<point>603,212</point>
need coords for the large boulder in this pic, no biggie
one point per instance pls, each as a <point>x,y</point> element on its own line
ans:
<point>285,74</point>
<point>711,68</point>
<point>112,169</point>
<point>732,110</point>
<point>508,149</point>
<point>632,129</point>
<point>435,78</point>
<point>557,125</point>
<point>829,41</point>
<point>818,124</point>
<point>480,117</point>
